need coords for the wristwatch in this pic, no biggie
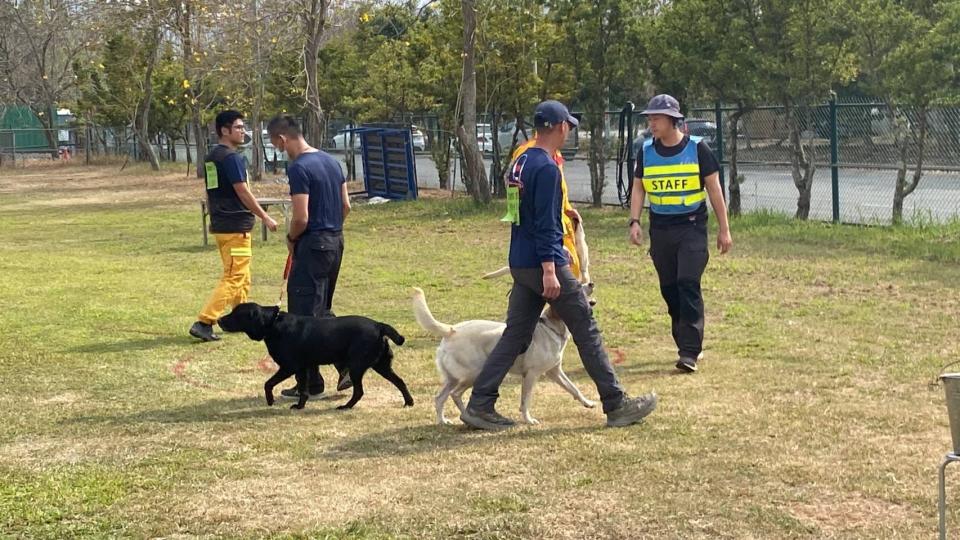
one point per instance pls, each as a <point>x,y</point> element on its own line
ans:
<point>632,221</point>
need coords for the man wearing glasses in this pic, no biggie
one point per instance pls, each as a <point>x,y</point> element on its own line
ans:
<point>232,210</point>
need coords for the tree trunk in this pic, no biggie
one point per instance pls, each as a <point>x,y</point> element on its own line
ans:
<point>256,134</point>
<point>802,163</point>
<point>199,139</point>
<point>440,148</point>
<point>142,123</point>
<point>496,164</point>
<point>313,16</point>
<point>475,177</point>
<point>903,188</point>
<point>597,157</point>
<point>191,75</point>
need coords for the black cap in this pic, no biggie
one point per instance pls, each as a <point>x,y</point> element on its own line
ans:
<point>551,113</point>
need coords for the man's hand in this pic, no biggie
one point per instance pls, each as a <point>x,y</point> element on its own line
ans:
<point>636,234</point>
<point>270,223</point>
<point>574,215</point>
<point>291,246</point>
<point>551,286</point>
<point>724,241</point>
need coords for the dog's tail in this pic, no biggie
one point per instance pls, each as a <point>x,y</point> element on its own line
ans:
<point>497,273</point>
<point>425,318</point>
<point>391,332</point>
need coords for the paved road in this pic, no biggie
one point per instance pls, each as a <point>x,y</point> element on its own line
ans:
<point>866,196</point>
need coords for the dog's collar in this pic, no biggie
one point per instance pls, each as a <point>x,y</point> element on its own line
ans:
<point>546,323</point>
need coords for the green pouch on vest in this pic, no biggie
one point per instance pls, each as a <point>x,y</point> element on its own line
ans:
<point>513,205</point>
<point>213,181</point>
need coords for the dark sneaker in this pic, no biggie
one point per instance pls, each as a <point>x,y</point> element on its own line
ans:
<point>344,383</point>
<point>687,364</point>
<point>487,420</point>
<point>293,393</point>
<point>632,410</point>
<point>203,331</point>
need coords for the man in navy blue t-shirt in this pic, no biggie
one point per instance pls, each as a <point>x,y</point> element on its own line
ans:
<point>318,192</point>
<point>541,274</point>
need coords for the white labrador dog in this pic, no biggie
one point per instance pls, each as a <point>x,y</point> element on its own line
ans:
<point>464,348</point>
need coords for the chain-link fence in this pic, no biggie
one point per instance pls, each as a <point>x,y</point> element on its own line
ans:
<point>854,154</point>
<point>857,153</point>
<point>19,146</point>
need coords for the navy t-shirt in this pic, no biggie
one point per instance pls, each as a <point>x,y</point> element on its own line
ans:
<point>539,237</point>
<point>227,212</point>
<point>318,175</point>
<point>708,165</point>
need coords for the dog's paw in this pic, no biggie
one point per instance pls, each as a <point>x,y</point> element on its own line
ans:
<point>531,420</point>
<point>446,422</point>
<point>589,404</point>
<point>344,407</point>
<point>408,403</point>
<point>296,406</point>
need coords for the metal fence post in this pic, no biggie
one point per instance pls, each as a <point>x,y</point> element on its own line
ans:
<point>834,158</point>
<point>719,115</point>
<point>86,143</point>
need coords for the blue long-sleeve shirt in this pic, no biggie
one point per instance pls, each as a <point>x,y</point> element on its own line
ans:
<point>539,237</point>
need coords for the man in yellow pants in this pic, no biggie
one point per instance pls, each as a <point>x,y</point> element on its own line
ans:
<point>232,209</point>
<point>570,218</point>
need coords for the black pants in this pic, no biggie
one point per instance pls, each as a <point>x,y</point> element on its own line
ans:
<point>313,280</point>
<point>523,314</point>
<point>680,255</point>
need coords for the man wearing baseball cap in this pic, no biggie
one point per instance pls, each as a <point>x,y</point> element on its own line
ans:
<point>541,274</point>
<point>676,173</point>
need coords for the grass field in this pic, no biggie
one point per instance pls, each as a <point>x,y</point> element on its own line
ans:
<point>812,416</point>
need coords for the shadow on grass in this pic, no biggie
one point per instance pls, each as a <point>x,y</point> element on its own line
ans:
<point>214,410</point>
<point>136,344</point>
<point>194,248</point>
<point>432,437</point>
<point>651,369</point>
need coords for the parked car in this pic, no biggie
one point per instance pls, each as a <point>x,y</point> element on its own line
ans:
<point>697,127</point>
<point>342,138</point>
<point>418,139</point>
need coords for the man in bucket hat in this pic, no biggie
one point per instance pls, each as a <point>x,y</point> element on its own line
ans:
<point>676,173</point>
<point>541,274</point>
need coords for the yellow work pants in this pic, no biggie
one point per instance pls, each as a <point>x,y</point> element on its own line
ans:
<point>234,286</point>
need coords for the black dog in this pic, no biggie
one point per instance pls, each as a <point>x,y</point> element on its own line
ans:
<point>299,343</point>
